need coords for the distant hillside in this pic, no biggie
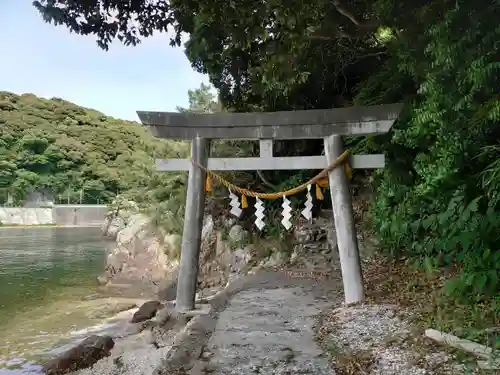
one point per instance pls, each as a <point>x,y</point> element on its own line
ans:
<point>59,147</point>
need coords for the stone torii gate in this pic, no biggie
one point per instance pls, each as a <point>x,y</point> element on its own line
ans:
<point>329,124</point>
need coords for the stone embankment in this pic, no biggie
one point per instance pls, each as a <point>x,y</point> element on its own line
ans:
<point>61,215</point>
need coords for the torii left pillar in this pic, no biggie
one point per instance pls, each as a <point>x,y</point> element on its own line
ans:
<point>193,221</point>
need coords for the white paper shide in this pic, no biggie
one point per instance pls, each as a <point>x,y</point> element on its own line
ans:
<point>235,204</point>
<point>259,214</point>
<point>287,213</point>
<point>307,211</point>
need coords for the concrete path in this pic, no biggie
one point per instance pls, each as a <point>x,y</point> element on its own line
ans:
<point>267,327</point>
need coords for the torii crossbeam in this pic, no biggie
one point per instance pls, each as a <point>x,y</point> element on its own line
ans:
<point>329,124</point>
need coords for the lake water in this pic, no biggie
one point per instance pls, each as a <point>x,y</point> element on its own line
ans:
<point>47,288</point>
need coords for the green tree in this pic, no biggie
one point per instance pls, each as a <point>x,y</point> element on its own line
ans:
<point>202,100</point>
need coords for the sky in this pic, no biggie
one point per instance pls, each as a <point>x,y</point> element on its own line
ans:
<point>49,61</point>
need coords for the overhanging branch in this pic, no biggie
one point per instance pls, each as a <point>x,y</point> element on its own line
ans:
<point>265,181</point>
<point>341,34</point>
<point>363,27</point>
<point>348,12</point>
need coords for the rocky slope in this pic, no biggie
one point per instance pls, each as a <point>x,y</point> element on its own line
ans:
<point>145,260</point>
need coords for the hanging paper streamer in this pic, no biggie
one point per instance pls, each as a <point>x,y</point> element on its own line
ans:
<point>319,193</point>
<point>208,184</point>
<point>235,204</point>
<point>307,211</point>
<point>287,214</point>
<point>259,213</point>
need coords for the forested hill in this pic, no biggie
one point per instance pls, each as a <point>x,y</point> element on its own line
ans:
<point>63,148</point>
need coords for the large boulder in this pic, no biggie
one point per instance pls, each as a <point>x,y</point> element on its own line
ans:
<point>145,262</point>
<point>138,263</point>
<point>237,234</point>
<point>84,355</point>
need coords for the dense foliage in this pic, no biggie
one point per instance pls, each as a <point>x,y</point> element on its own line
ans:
<point>438,199</point>
<point>202,100</point>
<point>75,153</point>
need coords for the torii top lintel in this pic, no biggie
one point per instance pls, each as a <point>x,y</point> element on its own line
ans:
<point>304,124</point>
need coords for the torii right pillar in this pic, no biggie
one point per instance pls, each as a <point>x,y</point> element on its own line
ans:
<point>347,241</point>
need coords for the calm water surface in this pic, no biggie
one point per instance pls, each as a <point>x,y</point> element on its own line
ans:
<point>47,276</point>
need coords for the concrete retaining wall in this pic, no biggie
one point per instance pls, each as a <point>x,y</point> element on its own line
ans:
<point>65,215</point>
<point>80,215</point>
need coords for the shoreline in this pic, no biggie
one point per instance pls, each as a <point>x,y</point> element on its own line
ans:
<point>103,315</point>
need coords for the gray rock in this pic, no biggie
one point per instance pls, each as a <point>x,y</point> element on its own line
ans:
<point>164,314</point>
<point>112,226</point>
<point>208,226</point>
<point>275,259</point>
<point>168,289</point>
<point>84,355</point>
<point>229,222</point>
<point>240,259</point>
<point>102,280</point>
<point>172,245</point>
<point>146,311</point>
<point>135,225</point>
<point>138,260</point>
<point>237,234</point>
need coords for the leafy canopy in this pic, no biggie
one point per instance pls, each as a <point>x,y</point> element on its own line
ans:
<point>256,53</point>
